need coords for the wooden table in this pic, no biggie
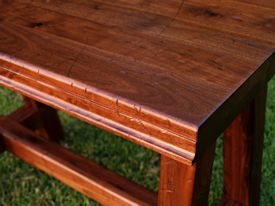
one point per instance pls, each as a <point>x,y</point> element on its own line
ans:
<point>170,75</point>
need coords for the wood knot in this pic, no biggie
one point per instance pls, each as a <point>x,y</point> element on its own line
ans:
<point>205,12</point>
<point>211,13</point>
<point>36,24</point>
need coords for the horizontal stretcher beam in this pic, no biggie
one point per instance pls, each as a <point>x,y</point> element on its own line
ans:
<point>83,175</point>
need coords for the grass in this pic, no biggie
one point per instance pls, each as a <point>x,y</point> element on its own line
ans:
<point>23,185</point>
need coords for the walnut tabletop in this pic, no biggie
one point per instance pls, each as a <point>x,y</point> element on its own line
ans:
<point>169,74</point>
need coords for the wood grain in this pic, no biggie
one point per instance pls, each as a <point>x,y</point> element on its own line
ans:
<point>265,3</point>
<point>243,146</point>
<point>85,176</point>
<point>163,73</point>
<point>185,185</point>
<point>169,75</point>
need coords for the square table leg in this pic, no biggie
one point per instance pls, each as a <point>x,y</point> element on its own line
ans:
<point>243,146</point>
<point>41,119</point>
<point>185,185</point>
<point>47,122</point>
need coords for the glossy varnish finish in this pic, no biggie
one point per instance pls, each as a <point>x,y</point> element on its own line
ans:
<point>170,75</point>
<point>160,73</point>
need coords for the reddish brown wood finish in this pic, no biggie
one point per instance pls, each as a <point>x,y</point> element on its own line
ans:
<point>243,145</point>
<point>46,123</point>
<point>185,185</point>
<point>83,175</point>
<point>41,119</point>
<point>169,75</point>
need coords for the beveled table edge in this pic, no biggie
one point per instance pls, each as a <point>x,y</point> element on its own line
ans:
<point>199,138</point>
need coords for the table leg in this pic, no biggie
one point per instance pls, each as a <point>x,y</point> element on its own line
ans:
<point>41,119</point>
<point>243,145</point>
<point>46,123</point>
<point>185,185</point>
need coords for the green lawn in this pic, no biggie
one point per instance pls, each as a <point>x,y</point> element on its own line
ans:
<point>22,185</point>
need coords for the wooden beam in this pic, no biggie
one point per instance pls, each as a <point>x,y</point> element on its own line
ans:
<point>185,185</point>
<point>84,176</point>
<point>243,147</point>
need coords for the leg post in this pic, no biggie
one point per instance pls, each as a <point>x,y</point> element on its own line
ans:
<point>185,185</point>
<point>243,146</point>
<point>43,120</point>
<point>46,124</point>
